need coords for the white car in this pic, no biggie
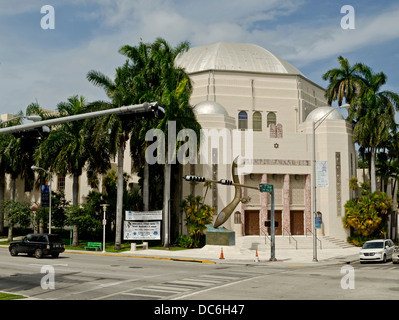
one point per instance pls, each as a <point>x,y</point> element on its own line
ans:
<point>377,250</point>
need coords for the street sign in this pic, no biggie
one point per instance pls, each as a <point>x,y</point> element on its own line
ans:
<point>266,187</point>
<point>45,196</point>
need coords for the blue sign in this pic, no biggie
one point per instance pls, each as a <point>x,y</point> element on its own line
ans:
<point>317,222</point>
<point>45,196</point>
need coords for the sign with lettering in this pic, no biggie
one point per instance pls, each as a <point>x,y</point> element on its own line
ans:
<point>150,230</point>
<point>143,215</point>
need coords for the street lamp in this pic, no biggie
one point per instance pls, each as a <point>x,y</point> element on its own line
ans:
<point>104,206</point>
<point>49,211</point>
<point>33,118</point>
<point>315,125</point>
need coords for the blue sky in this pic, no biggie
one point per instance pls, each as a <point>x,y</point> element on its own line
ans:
<point>51,65</point>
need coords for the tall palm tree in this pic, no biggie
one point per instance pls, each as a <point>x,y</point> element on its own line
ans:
<point>373,112</point>
<point>345,82</point>
<point>64,151</point>
<point>174,91</point>
<point>120,94</point>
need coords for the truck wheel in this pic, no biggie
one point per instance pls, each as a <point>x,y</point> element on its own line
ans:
<point>38,253</point>
<point>14,251</point>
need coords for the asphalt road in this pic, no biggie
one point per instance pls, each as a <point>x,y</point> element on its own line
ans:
<point>75,276</point>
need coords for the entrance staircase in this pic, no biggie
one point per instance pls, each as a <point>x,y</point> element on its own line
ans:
<point>291,242</point>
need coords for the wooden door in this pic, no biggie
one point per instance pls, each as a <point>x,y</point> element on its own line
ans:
<point>251,222</point>
<point>296,222</point>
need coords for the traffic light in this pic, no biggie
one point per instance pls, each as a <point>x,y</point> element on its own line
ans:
<point>194,178</point>
<point>225,182</point>
<point>38,133</point>
<point>150,111</point>
<point>268,223</point>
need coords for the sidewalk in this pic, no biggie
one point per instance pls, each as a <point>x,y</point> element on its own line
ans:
<point>233,254</point>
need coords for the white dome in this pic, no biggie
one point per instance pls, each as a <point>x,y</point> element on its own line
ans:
<point>233,57</point>
<point>320,112</point>
<point>210,107</point>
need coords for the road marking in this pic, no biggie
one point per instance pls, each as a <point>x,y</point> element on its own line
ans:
<point>217,287</point>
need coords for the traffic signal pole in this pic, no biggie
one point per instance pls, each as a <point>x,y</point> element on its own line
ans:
<point>134,109</point>
<point>221,181</point>
<point>262,188</point>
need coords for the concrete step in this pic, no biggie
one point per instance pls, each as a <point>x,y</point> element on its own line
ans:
<point>295,242</point>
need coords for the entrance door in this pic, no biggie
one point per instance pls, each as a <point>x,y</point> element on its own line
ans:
<point>296,222</point>
<point>251,222</point>
<point>277,217</point>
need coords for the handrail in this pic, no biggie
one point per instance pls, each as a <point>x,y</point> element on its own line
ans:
<point>289,238</point>
<point>267,237</point>
<point>307,229</point>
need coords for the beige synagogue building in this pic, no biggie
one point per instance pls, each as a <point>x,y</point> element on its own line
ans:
<point>239,86</point>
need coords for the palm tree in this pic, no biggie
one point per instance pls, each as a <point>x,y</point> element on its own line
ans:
<point>371,110</point>
<point>174,91</point>
<point>144,80</point>
<point>120,94</point>
<point>373,113</point>
<point>345,82</point>
<point>64,151</point>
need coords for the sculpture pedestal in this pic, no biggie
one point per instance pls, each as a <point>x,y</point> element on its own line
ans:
<point>219,236</point>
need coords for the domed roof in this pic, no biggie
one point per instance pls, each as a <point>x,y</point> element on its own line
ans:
<point>233,56</point>
<point>210,107</point>
<point>320,112</point>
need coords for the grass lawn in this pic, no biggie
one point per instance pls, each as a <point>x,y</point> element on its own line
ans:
<point>9,296</point>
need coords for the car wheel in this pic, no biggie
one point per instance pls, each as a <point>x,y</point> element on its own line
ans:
<point>55,254</point>
<point>38,253</point>
<point>14,251</point>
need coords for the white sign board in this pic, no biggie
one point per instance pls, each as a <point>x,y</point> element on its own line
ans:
<point>322,174</point>
<point>150,230</point>
<point>143,215</point>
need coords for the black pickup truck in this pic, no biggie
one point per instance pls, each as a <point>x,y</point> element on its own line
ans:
<point>38,245</point>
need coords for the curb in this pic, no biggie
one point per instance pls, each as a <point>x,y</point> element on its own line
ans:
<point>143,257</point>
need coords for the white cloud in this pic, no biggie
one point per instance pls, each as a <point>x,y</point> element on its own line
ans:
<point>51,75</point>
<point>310,44</point>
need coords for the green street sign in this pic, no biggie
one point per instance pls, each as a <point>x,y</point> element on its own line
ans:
<point>266,187</point>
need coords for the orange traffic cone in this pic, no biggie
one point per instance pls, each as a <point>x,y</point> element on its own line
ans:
<point>257,257</point>
<point>221,254</point>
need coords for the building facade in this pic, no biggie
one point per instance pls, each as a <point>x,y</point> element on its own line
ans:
<point>244,87</point>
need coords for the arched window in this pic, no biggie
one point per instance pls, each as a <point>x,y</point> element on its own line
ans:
<point>242,120</point>
<point>257,121</point>
<point>271,118</point>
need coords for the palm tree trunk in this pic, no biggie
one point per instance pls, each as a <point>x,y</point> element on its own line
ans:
<point>166,205</point>
<point>119,199</point>
<point>12,197</point>
<point>146,195</point>
<point>75,202</point>
<point>2,185</point>
<point>373,182</point>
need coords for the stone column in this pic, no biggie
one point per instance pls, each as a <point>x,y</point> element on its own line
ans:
<point>263,207</point>
<point>242,179</point>
<point>308,204</point>
<point>286,203</point>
